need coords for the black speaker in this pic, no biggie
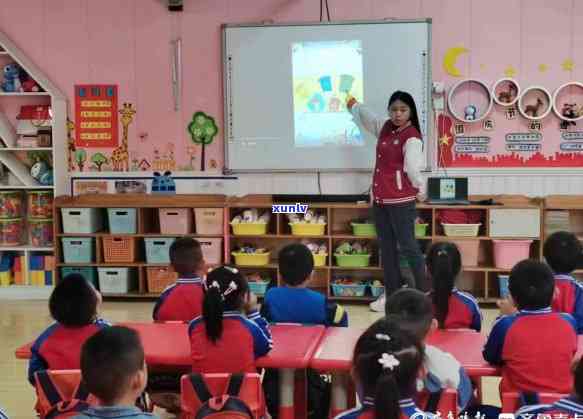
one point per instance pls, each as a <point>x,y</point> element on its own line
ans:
<point>175,5</point>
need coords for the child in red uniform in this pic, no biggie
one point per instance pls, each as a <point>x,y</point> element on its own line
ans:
<point>182,301</point>
<point>230,334</point>
<point>74,304</point>
<point>386,363</point>
<point>534,346</point>
<point>453,309</point>
<point>562,251</point>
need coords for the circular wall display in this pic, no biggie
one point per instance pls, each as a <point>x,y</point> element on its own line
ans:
<point>506,92</point>
<point>470,112</point>
<point>534,110</point>
<point>576,111</point>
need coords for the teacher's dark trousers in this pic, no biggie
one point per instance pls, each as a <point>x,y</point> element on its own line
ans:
<point>395,225</point>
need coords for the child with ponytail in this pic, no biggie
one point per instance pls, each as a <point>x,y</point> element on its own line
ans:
<point>386,363</point>
<point>230,334</point>
<point>453,309</point>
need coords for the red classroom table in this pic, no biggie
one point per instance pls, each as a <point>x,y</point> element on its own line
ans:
<point>167,347</point>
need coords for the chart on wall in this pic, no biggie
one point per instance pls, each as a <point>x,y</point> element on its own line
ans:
<point>96,115</point>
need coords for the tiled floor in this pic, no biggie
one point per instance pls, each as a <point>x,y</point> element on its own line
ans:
<point>22,321</point>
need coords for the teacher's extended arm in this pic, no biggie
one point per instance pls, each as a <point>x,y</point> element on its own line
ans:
<point>364,116</point>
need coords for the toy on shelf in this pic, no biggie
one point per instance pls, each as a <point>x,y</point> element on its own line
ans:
<point>163,184</point>
<point>11,232</point>
<point>310,217</point>
<point>470,112</point>
<point>42,172</point>
<point>249,255</point>
<point>345,286</point>
<point>250,222</point>
<point>11,82</point>
<point>40,232</point>
<point>354,248</point>
<point>27,83</point>
<point>251,249</point>
<point>315,247</point>
<point>308,224</point>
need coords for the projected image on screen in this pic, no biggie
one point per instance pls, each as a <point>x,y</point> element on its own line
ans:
<point>324,73</point>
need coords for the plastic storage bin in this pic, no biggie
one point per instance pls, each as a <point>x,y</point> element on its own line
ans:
<point>90,274</point>
<point>158,249</point>
<point>209,220</point>
<point>353,261</point>
<point>306,229</point>
<point>508,253</point>
<point>116,280</point>
<point>503,286</point>
<point>122,220</point>
<point>40,232</point>
<point>159,278</point>
<point>469,251</point>
<point>175,220</point>
<point>345,290</point>
<point>421,230</point>
<point>249,229</point>
<point>461,230</point>
<point>40,204</point>
<point>251,259</point>
<point>212,250</point>
<point>82,220</point>
<point>11,232</point>
<point>363,229</point>
<point>78,249</point>
<point>320,259</point>
<point>10,204</point>
<point>258,287</point>
<point>119,249</point>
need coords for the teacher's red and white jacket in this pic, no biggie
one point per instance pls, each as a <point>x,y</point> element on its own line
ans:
<point>397,175</point>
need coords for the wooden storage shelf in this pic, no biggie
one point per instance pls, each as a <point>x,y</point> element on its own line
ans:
<point>482,278</point>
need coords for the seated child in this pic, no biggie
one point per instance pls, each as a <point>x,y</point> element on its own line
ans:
<point>294,303</point>
<point>74,304</point>
<point>182,301</point>
<point>567,407</point>
<point>386,363</point>
<point>413,310</point>
<point>230,334</point>
<point>114,370</point>
<point>453,309</point>
<point>562,252</point>
<point>534,346</point>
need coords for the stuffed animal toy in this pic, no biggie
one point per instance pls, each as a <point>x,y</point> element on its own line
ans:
<point>27,83</point>
<point>11,81</point>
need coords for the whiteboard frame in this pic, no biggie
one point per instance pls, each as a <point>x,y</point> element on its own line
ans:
<point>430,154</point>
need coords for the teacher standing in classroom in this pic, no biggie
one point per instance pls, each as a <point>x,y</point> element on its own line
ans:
<point>397,184</point>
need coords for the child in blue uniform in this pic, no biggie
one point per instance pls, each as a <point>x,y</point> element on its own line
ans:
<point>294,303</point>
<point>453,308</point>
<point>114,369</point>
<point>386,363</point>
<point>563,252</point>
<point>441,370</point>
<point>534,347</point>
<point>74,304</point>
<point>182,301</point>
<point>230,334</point>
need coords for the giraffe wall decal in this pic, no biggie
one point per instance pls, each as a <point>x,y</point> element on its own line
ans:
<point>120,156</point>
<point>70,145</point>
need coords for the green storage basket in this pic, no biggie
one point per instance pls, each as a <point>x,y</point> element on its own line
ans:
<point>421,230</point>
<point>353,261</point>
<point>363,229</point>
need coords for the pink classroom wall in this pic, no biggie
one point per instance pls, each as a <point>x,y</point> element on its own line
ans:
<point>127,42</point>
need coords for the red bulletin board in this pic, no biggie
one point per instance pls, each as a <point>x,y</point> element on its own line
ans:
<point>96,115</point>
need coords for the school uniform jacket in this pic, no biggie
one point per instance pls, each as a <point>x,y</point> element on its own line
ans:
<point>302,305</point>
<point>568,407</point>
<point>568,298</point>
<point>397,176</point>
<point>408,411</point>
<point>535,350</point>
<point>463,312</point>
<point>181,301</point>
<point>244,339</point>
<point>59,347</point>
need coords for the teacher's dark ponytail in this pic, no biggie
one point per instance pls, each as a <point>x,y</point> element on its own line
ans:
<point>408,100</point>
<point>444,264</point>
